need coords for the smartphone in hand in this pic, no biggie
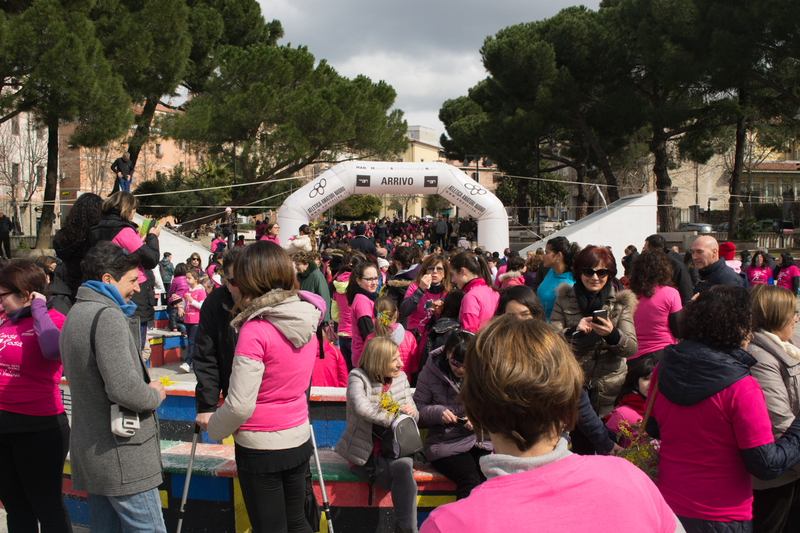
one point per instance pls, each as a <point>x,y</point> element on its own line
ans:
<point>600,313</point>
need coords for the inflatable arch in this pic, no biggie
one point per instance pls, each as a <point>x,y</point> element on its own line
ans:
<point>360,177</point>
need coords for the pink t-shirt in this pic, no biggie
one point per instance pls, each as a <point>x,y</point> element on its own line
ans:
<point>340,283</point>
<point>407,350</point>
<point>281,401</point>
<point>700,471</point>
<point>362,306</point>
<point>576,493</point>
<point>420,312</point>
<point>478,305</point>
<point>785,276</point>
<point>28,381</point>
<point>192,314</point>
<point>130,240</point>
<point>759,275</point>
<point>651,319</point>
<point>624,413</point>
<point>330,371</point>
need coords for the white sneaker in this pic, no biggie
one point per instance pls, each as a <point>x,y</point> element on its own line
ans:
<point>184,367</point>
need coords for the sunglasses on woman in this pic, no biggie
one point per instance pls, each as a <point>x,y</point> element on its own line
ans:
<point>457,364</point>
<point>438,268</point>
<point>589,272</point>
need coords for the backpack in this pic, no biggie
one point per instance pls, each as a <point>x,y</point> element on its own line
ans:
<point>401,439</point>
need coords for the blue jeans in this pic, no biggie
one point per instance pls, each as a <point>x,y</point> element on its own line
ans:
<point>191,331</point>
<point>130,514</point>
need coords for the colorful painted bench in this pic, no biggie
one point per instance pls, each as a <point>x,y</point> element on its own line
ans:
<point>215,502</point>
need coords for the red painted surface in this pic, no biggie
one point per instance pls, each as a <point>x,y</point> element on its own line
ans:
<point>172,356</point>
<point>162,324</point>
<point>67,489</point>
<point>156,355</point>
<point>349,494</point>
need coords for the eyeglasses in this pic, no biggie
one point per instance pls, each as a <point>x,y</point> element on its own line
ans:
<point>457,364</point>
<point>438,269</point>
<point>232,282</point>
<point>195,259</point>
<point>369,280</point>
<point>589,272</point>
<point>4,294</point>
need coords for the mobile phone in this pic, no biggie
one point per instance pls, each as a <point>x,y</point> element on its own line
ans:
<point>462,420</point>
<point>428,304</point>
<point>600,313</point>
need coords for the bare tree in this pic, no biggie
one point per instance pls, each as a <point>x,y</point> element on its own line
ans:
<point>754,155</point>
<point>23,155</point>
<point>98,168</point>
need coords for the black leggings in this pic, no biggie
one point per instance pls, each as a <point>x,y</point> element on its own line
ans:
<point>274,501</point>
<point>463,469</point>
<point>31,478</point>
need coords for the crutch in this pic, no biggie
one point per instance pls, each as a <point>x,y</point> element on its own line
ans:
<point>188,478</point>
<point>325,507</point>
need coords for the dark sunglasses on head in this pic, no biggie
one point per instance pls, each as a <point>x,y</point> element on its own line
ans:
<point>589,272</point>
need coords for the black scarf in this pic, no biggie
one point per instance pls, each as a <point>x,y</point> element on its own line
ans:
<point>371,295</point>
<point>435,288</point>
<point>589,302</point>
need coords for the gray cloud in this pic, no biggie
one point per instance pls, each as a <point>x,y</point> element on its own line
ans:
<point>428,51</point>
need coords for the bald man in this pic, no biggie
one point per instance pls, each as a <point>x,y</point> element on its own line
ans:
<point>711,268</point>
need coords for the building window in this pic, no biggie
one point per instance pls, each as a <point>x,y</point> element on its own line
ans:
<point>40,176</point>
<point>40,132</point>
<point>199,158</point>
<point>15,172</point>
<point>15,126</point>
<point>770,190</point>
<point>756,192</point>
<point>475,176</point>
<point>158,151</point>
<point>180,145</point>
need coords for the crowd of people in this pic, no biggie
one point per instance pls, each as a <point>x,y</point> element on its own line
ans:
<point>530,374</point>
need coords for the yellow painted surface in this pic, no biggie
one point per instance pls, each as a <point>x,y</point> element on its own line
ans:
<point>157,340</point>
<point>241,519</point>
<point>164,499</point>
<point>228,440</point>
<point>323,523</point>
<point>67,468</point>
<point>434,501</point>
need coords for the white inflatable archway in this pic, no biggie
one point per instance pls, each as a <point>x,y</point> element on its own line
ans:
<point>360,177</point>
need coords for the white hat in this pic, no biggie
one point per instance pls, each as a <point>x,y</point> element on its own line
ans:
<point>228,210</point>
<point>382,263</point>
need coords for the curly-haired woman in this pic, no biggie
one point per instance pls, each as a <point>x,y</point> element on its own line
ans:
<point>711,417</point>
<point>72,241</point>
<point>758,273</point>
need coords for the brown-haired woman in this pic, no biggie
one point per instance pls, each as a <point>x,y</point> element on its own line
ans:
<point>304,241</point>
<point>362,291</point>
<point>376,392</point>
<point>271,232</point>
<point>658,313</point>
<point>521,390</point>
<point>431,284</point>
<point>601,345</point>
<point>471,274</point>
<point>34,431</point>
<point>266,408</point>
<point>118,227</point>
<point>195,262</point>
<point>778,373</point>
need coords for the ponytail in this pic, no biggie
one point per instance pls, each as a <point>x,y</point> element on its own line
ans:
<point>567,250</point>
<point>475,264</point>
<point>385,311</point>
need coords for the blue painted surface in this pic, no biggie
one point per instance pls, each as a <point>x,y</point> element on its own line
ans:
<point>175,342</point>
<point>177,408</point>
<point>161,315</point>
<point>78,511</point>
<point>202,488</point>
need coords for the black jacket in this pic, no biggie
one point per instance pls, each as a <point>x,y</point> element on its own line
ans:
<point>60,293</point>
<point>396,288</point>
<point>5,225</point>
<point>717,274</point>
<point>692,371</point>
<point>681,278</point>
<point>125,167</point>
<point>381,233</point>
<point>364,245</point>
<point>214,347</point>
<point>72,255</point>
<point>112,224</point>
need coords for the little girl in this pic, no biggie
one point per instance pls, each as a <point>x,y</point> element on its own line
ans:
<point>386,325</point>
<point>193,301</point>
<point>631,402</point>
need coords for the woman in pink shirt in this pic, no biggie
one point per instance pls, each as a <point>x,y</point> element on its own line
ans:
<point>271,233</point>
<point>34,431</point>
<point>521,391</point>
<point>266,408</point>
<point>758,273</point>
<point>471,274</point>
<point>786,273</point>
<point>362,291</point>
<point>711,417</point>
<point>193,301</point>
<point>658,313</point>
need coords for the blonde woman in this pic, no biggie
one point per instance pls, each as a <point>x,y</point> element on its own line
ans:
<point>376,391</point>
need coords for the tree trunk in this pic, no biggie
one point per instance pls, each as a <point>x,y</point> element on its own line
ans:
<point>663,182</point>
<point>738,164</point>
<point>142,132</point>
<point>43,236</point>
<point>521,201</point>
<point>605,165</point>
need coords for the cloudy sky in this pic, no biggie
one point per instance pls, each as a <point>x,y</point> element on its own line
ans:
<point>427,50</point>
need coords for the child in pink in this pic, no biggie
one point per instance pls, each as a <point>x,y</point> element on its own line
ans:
<point>193,301</point>
<point>331,370</point>
<point>478,305</point>
<point>386,326</point>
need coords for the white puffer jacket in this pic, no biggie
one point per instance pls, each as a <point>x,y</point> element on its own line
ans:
<point>363,411</point>
<point>301,242</point>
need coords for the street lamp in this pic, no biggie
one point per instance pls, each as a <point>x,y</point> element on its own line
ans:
<point>708,217</point>
<point>477,158</point>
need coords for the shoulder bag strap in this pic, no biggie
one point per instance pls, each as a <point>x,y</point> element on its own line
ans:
<point>93,330</point>
<point>650,401</point>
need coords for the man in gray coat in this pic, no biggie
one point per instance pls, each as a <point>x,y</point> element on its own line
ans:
<point>101,356</point>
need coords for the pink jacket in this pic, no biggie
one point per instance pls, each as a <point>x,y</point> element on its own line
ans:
<point>330,371</point>
<point>179,286</point>
<point>407,350</point>
<point>478,305</point>
<point>271,238</point>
